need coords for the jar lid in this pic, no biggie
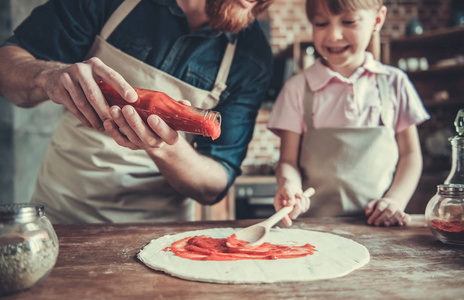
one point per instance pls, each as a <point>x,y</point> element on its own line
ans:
<point>21,212</point>
<point>451,188</point>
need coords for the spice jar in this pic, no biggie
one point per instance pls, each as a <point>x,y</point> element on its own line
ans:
<point>445,214</point>
<point>28,246</point>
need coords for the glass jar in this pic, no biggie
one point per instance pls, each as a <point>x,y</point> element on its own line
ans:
<point>445,214</point>
<point>456,174</point>
<point>28,246</point>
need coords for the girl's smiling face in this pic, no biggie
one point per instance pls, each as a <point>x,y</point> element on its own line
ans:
<point>343,38</point>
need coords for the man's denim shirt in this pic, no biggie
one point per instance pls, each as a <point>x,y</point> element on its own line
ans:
<point>157,32</point>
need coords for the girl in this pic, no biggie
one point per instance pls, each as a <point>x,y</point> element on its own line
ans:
<point>348,123</point>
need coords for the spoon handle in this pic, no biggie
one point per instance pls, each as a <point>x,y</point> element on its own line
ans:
<point>309,192</point>
<point>272,220</point>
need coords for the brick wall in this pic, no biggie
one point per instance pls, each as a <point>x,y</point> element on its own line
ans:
<point>288,18</point>
<point>288,21</point>
<point>263,151</point>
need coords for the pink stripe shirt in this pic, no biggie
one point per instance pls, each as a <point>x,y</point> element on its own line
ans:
<point>347,102</point>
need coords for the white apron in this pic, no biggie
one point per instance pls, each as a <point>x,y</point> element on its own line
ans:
<point>348,167</point>
<point>87,177</point>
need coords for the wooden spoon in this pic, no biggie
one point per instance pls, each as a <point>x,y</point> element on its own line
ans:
<point>256,234</point>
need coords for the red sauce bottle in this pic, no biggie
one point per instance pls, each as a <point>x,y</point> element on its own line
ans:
<point>178,116</point>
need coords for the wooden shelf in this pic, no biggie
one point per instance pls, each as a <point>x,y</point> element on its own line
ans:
<point>442,49</point>
<point>435,45</point>
<point>437,73</point>
<point>449,102</point>
<point>246,179</point>
<point>434,38</point>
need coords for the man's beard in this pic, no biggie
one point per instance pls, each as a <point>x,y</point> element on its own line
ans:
<point>228,16</point>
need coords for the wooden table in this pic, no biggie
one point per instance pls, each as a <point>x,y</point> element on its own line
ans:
<point>98,261</point>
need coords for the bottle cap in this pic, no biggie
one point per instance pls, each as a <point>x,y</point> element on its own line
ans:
<point>450,189</point>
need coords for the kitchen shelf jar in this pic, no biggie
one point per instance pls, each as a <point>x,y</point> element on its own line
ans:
<point>445,214</point>
<point>28,247</point>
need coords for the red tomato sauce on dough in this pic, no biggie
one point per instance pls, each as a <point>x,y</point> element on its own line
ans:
<point>207,248</point>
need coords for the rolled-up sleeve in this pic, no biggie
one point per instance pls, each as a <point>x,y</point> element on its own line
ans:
<point>411,110</point>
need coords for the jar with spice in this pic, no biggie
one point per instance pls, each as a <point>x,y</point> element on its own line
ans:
<point>28,247</point>
<point>445,214</point>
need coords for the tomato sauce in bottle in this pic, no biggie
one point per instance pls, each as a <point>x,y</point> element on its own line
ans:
<point>178,116</point>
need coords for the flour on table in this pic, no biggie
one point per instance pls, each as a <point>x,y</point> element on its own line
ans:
<point>335,256</point>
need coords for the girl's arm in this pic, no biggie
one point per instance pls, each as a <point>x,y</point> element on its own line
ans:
<point>288,176</point>
<point>390,209</point>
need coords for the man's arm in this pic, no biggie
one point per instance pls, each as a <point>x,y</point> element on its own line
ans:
<point>27,82</point>
<point>189,172</point>
<point>194,174</point>
<point>20,76</point>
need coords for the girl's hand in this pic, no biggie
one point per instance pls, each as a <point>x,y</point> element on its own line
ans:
<point>386,212</point>
<point>291,196</point>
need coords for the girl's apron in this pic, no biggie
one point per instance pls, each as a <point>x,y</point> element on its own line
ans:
<point>87,177</point>
<point>348,167</point>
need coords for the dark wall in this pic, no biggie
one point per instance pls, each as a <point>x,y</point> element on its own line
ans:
<point>6,120</point>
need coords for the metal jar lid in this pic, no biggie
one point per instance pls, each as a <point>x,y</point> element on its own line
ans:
<point>21,212</point>
<point>451,189</point>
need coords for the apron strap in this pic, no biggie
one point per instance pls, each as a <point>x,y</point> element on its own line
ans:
<point>308,106</point>
<point>223,73</point>
<point>382,83</point>
<point>116,18</point>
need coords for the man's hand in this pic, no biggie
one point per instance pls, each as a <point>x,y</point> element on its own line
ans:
<point>74,86</point>
<point>128,129</point>
<point>133,133</point>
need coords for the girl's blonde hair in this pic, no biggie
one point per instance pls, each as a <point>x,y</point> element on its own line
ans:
<point>336,7</point>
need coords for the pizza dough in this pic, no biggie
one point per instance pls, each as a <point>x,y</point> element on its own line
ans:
<point>335,256</point>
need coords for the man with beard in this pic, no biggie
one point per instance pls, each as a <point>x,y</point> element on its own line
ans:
<point>104,164</point>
